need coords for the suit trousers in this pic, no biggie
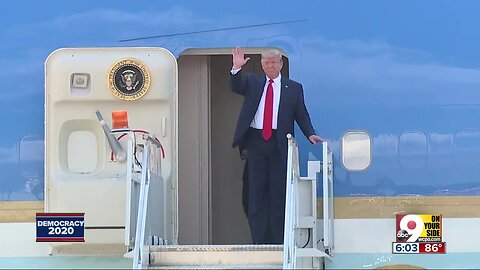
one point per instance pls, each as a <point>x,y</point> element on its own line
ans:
<point>267,175</point>
<point>245,189</point>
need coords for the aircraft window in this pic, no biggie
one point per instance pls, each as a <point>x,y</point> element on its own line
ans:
<point>440,151</point>
<point>412,148</point>
<point>356,150</point>
<point>467,148</point>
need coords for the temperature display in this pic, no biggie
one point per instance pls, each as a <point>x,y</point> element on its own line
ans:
<point>435,248</point>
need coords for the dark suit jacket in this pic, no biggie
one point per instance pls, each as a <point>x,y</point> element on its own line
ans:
<point>291,108</point>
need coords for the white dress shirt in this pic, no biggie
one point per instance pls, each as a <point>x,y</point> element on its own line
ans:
<point>257,121</point>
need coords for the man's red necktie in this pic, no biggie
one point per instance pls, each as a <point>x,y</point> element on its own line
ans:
<point>268,112</point>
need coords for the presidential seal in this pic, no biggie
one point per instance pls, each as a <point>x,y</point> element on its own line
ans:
<point>129,79</point>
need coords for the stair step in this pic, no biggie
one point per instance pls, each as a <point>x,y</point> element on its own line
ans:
<point>87,249</point>
<point>217,256</point>
<point>243,266</point>
<point>306,222</point>
<point>310,252</point>
<point>170,248</point>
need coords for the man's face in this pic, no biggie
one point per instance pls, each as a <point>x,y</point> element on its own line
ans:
<point>272,66</point>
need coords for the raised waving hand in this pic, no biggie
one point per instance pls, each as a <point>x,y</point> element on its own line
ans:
<point>238,56</point>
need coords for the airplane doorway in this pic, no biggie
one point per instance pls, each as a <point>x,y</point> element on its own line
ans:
<point>210,170</point>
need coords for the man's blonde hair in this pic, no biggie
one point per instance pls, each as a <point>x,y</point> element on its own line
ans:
<point>272,53</point>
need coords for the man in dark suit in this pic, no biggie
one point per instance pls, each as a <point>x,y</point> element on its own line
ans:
<point>271,105</point>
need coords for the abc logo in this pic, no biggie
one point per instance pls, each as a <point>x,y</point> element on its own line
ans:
<point>402,235</point>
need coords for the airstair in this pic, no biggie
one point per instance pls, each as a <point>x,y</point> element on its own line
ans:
<point>304,245</point>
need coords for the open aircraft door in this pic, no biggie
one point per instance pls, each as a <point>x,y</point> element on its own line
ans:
<point>210,186</point>
<point>82,174</point>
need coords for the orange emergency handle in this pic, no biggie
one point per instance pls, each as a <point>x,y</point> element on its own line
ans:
<point>119,120</point>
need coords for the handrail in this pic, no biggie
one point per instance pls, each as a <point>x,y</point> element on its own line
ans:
<point>328,216</point>
<point>289,251</point>
<point>150,173</point>
<point>301,211</point>
<point>138,257</point>
<point>128,198</point>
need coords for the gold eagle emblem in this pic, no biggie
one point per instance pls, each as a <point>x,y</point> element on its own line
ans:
<point>129,79</point>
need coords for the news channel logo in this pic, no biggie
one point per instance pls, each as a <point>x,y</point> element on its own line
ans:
<point>418,228</point>
<point>60,227</point>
